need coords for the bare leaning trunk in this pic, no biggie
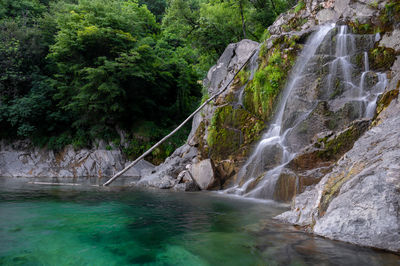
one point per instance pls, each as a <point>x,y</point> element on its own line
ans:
<point>180,126</point>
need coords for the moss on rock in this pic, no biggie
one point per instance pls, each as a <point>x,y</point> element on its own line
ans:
<point>363,28</point>
<point>270,78</point>
<point>381,58</point>
<point>333,147</point>
<point>230,129</point>
<point>386,99</point>
<point>390,15</point>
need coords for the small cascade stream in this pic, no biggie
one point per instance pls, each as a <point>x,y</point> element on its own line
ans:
<point>328,59</point>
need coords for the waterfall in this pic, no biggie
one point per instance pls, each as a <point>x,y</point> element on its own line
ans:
<point>344,84</point>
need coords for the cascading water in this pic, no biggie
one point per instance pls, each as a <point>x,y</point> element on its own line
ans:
<point>335,74</point>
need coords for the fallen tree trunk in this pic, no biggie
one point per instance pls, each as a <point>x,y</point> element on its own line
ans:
<point>179,127</point>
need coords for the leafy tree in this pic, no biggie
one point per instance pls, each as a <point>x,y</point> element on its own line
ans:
<point>114,69</point>
<point>21,56</point>
<point>157,7</point>
<point>96,41</point>
<point>22,8</point>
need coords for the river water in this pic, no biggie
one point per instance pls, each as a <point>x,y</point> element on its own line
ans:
<point>83,225</point>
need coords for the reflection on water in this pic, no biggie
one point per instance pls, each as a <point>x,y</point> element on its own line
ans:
<point>62,225</point>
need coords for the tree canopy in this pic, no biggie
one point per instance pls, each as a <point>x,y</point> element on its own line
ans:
<point>73,71</point>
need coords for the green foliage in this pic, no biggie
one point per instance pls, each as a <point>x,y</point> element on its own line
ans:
<point>75,71</point>
<point>112,71</point>
<point>244,76</point>
<point>22,8</point>
<point>300,6</point>
<point>21,56</point>
<point>208,26</point>
<point>83,69</point>
<point>381,58</point>
<point>156,7</point>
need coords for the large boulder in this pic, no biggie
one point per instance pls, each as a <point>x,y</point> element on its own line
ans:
<point>165,175</point>
<point>203,173</point>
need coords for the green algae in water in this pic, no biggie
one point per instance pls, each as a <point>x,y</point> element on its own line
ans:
<point>47,225</point>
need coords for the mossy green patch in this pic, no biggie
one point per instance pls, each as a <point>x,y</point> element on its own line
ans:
<point>300,6</point>
<point>386,99</point>
<point>374,4</point>
<point>363,28</point>
<point>205,97</point>
<point>381,58</point>
<point>230,129</point>
<point>244,76</point>
<point>334,147</point>
<point>266,34</point>
<point>261,93</point>
<point>383,102</point>
<point>391,14</point>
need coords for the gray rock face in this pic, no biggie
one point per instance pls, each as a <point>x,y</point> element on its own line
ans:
<point>142,168</point>
<point>359,201</point>
<point>326,15</point>
<point>165,175</point>
<point>391,40</point>
<point>203,173</point>
<point>19,159</point>
<point>232,58</point>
